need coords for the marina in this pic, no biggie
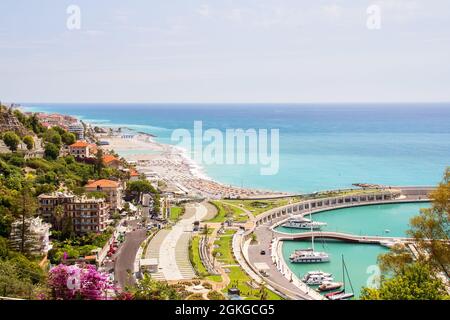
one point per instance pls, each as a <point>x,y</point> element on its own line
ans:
<point>389,220</point>
<point>359,258</point>
<point>361,251</point>
<point>391,209</point>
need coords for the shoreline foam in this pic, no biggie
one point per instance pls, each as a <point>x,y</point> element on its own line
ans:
<point>174,165</point>
<point>170,163</point>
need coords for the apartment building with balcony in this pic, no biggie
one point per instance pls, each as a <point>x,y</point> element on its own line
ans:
<point>112,189</point>
<point>87,214</point>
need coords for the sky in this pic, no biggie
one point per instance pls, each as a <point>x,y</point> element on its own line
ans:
<point>291,51</point>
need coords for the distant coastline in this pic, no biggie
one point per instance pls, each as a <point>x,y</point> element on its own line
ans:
<point>323,146</point>
<point>170,163</point>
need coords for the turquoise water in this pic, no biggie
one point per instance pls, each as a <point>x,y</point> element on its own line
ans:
<point>321,146</point>
<point>360,259</point>
<point>372,220</point>
<point>367,220</point>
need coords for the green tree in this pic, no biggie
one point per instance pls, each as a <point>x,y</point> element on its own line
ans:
<point>68,138</point>
<point>58,217</point>
<point>51,151</point>
<point>99,161</point>
<point>140,187</point>
<point>11,283</point>
<point>149,289</point>
<point>54,137</point>
<point>263,292</point>
<point>11,140</point>
<point>67,231</point>
<point>29,142</point>
<point>25,206</point>
<point>414,281</point>
<point>35,124</point>
<point>430,230</point>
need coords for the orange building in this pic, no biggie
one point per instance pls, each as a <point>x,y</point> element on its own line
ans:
<point>111,161</point>
<point>112,189</point>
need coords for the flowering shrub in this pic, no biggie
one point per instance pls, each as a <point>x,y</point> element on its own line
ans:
<point>78,283</point>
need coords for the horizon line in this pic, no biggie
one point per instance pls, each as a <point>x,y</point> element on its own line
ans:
<point>233,103</point>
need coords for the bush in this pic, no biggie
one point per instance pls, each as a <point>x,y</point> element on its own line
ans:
<point>16,160</point>
<point>68,138</point>
<point>29,142</point>
<point>51,151</point>
<point>215,295</point>
<point>196,296</point>
<point>54,137</point>
<point>11,140</point>
<point>207,285</point>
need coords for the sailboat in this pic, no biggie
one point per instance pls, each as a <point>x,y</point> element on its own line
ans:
<point>341,294</point>
<point>309,255</point>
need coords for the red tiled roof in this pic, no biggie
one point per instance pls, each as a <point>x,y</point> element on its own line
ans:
<point>103,184</point>
<point>109,158</point>
<point>80,144</point>
<point>134,173</point>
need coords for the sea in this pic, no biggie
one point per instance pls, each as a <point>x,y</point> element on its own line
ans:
<point>321,146</point>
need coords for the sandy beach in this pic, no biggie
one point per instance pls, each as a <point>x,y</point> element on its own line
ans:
<point>172,165</point>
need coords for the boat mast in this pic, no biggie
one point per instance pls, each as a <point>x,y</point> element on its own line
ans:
<point>343,272</point>
<point>346,271</point>
<point>312,231</point>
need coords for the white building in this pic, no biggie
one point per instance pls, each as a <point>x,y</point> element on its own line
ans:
<point>37,241</point>
<point>77,129</point>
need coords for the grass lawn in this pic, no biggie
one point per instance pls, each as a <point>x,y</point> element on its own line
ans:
<point>225,211</point>
<point>175,213</point>
<point>259,206</point>
<point>239,279</point>
<point>214,277</point>
<point>224,243</point>
<point>197,261</point>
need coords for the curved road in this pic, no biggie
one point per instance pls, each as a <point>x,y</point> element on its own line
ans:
<point>124,263</point>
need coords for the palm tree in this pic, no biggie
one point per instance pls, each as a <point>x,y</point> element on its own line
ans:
<point>263,291</point>
<point>214,254</point>
<point>59,215</point>
<point>205,232</point>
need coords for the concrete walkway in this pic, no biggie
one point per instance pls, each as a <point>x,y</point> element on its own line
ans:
<point>153,251</point>
<point>171,247</point>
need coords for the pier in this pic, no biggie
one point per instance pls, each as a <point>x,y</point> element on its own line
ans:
<point>343,237</point>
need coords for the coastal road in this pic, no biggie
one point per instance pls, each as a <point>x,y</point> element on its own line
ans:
<point>265,236</point>
<point>124,262</point>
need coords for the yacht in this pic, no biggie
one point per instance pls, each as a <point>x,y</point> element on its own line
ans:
<point>312,273</point>
<point>329,285</point>
<point>316,280</point>
<point>302,223</point>
<point>309,255</point>
<point>340,296</point>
